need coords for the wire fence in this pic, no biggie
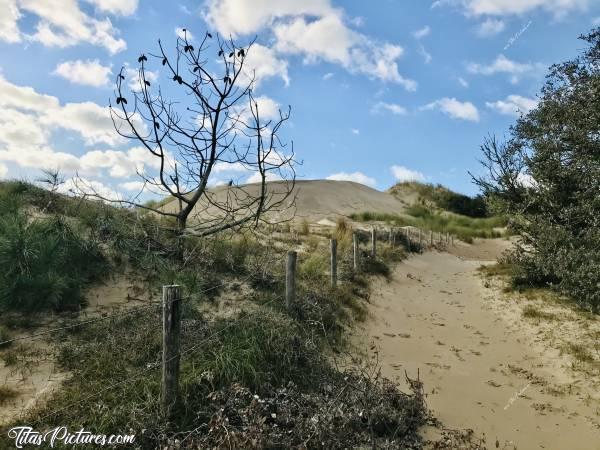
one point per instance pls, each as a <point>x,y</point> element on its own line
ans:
<point>395,237</point>
<point>150,366</point>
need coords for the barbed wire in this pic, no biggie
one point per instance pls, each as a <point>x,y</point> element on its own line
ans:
<point>113,315</point>
<point>151,366</point>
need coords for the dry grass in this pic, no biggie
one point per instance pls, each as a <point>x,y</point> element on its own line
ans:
<point>580,352</point>
<point>343,231</point>
<point>304,228</point>
<point>532,312</point>
<point>7,394</point>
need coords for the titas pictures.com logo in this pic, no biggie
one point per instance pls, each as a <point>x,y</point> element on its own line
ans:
<point>25,435</point>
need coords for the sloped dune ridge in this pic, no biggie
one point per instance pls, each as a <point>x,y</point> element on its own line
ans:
<point>312,200</point>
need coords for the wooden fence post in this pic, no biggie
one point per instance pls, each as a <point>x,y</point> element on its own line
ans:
<point>374,242</point>
<point>420,238</point>
<point>447,238</point>
<point>431,237</point>
<point>333,262</point>
<point>391,237</point>
<point>452,238</point>
<point>355,248</point>
<point>408,238</point>
<point>171,303</point>
<point>290,278</point>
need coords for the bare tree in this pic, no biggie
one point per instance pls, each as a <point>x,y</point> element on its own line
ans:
<point>218,122</point>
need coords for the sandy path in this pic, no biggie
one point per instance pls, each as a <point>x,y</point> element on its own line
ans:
<point>433,317</point>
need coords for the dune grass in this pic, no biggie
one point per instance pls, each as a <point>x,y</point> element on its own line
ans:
<point>269,347</point>
<point>463,227</point>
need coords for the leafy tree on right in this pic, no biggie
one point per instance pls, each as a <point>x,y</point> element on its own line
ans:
<point>546,179</point>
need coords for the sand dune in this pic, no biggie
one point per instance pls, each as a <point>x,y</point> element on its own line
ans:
<point>312,200</point>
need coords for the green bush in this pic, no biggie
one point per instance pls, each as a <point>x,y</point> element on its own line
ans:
<point>445,199</point>
<point>45,264</point>
<point>423,217</point>
<point>546,178</point>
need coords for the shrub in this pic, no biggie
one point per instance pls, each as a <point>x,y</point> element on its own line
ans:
<point>343,231</point>
<point>546,178</point>
<point>304,228</point>
<point>5,335</point>
<point>45,264</point>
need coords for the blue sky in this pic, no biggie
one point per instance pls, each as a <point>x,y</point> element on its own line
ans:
<point>380,91</point>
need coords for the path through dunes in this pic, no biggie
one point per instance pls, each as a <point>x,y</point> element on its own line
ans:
<point>435,316</point>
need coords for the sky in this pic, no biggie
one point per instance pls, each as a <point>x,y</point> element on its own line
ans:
<point>381,91</point>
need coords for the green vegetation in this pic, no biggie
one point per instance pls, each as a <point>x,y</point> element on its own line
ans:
<point>270,351</point>
<point>45,261</point>
<point>423,217</point>
<point>580,352</point>
<point>7,394</point>
<point>546,179</point>
<point>5,335</point>
<point>531,312</point>
<point>443,198</point>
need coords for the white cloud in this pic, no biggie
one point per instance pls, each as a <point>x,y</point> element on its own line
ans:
<point>313,29</point>
<point>133,77</point>
<point>517,7</point>
<point>119,7</point>
<point>504,65</point>
<point>39,157</point>
<point>81,186</point>
<point>328,75</point>
<point>329,39</point>
<point>490,27</point>
<point>402,173</point>
<point>227,167</point>
<point>355,131</point>
<point>596,21</point>
<point>357,177</point>
<point>9,28</point>
<point>64,24</point>
<point>3,171</point>
<point>423,32</point>
<point>256,177</point>
<point>425,54</point>
<point>262,62</point>
<point>464,83</point>
<point>89,73</point>
<point>88,119</point>
<point>237,17</point>
<point>25,98</point>
<point>513,105</point>
<point>183,34</point>
<point>455,109</point>
<point>28,119</point>
<point>119,164</point>
<point>266,106</point>
<point>391,107</point>
<point>134,186</point>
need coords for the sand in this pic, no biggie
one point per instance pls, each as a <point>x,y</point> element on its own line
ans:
<point>437,316</point>
<point>314,200</point>
<point>36,374</point>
